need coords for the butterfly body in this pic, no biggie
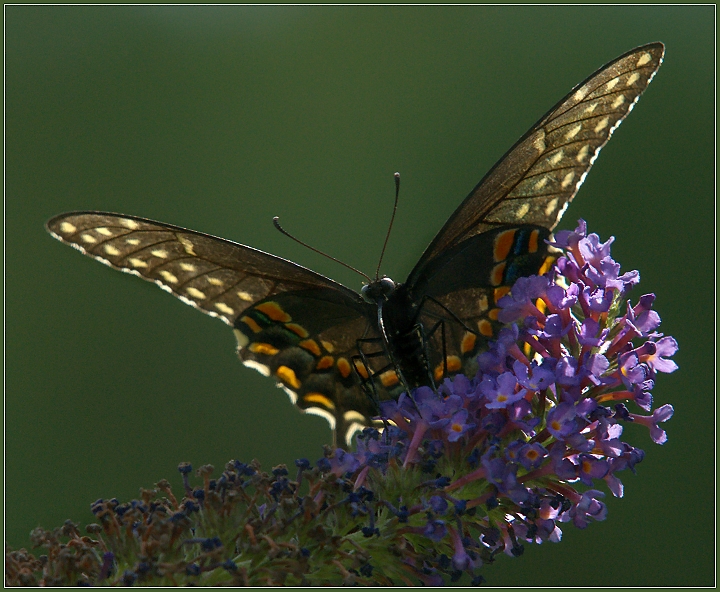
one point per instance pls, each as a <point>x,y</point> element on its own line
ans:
<point>337,352</point>
<point>402,337</point>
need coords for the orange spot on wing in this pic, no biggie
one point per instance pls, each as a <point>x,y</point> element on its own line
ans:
<point>319,399</point>
<point>454,364</point>
<point>311,346</point>
<point>493,314</point>
<point>389,378</point>
<point>263,348</point>
<point>533,241</point>
<point>503,244</point>
<point>327,362</point>
<point>274,311</point>
<point>468,342</point>
<point>497,274</point>
<point>485,327</point>
<point>250,322</point>
<point>344,367</point>
<point>287,375</point>
<point>500,292</point>
<point>297,329</point>
<point>547,264</point>
<point>329,347</point>
<point>361,370</point>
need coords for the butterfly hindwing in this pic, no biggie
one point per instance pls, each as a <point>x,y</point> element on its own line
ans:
<point>307,341</point>
<point>465,303</point>
<point>278,309</point>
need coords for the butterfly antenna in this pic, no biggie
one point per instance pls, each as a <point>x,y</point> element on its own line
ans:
<point>276,222</point>
<point>392,219</point>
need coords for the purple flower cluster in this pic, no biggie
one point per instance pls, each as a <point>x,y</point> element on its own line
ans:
<point>521,446</point>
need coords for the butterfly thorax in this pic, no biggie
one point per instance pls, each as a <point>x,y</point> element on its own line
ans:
<point>402,337</point>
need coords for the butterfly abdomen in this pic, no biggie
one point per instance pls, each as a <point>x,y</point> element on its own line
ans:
<point>406,341</point>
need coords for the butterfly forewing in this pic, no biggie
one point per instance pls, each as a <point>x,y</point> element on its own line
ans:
<point>536,179</point>
<point>283,314</point>
<point>217,276</point>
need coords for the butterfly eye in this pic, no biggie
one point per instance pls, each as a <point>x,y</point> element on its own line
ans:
<point>377,289</point>
<point>388,286</point>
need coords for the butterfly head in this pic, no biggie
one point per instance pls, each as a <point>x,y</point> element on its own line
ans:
<point>377,289</point>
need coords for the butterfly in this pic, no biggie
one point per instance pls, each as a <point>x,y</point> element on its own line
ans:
<point>337,352</point>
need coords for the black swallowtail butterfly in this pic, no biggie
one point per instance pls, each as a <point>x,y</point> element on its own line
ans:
<point>336,352</point>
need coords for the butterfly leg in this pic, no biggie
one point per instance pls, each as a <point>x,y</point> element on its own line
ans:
<point>457,319</point>
<point>427,334</point>
<point>425,337</point>
<point>363,370</point>
<point>367,375</point>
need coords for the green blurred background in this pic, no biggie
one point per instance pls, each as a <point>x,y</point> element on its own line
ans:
<point>218,118</point>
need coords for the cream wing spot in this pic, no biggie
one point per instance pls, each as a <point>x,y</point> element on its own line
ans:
<point>222,307</point>
<point>643,59</point>
<point>245,296</point>
<point>187,245</point>
<point>550,207</point>
<point>522,210</point>
<point>582,153</point>
<point>482,303</point>
<point>572,132</point>
<point>557,157</point>
<point>580,94</point>
<point>352,429</point>
<point>618,101</point>
<point>110,250</point>
<point>289,393</point>
<point>539,142</point>
<point>541,183</point>
<point>135,262</point>
<point>242,339</point>
<point>161,253</point>
<point>67,228</point>
<point>633,78</point>
<point>169,277</point>
<point>132,241</point>
<point>567,180</point>
<point>612,84</point>
<point>590,108</point>
<point>188,267</point>
<point>602,124</point>
<point>195,293</point>
<point>322,413</point>
<point>104,231</point>
<point>131,224</point>
<point>215,281</point>
<point>88,238</point>
<point>353,417</point>
<point>262,368</point>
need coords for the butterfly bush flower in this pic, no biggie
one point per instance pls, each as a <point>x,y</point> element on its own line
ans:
<point>481,467</point>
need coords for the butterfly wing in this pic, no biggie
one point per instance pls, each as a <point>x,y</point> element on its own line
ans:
<point>499,230</point>
<point>291,323</point>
